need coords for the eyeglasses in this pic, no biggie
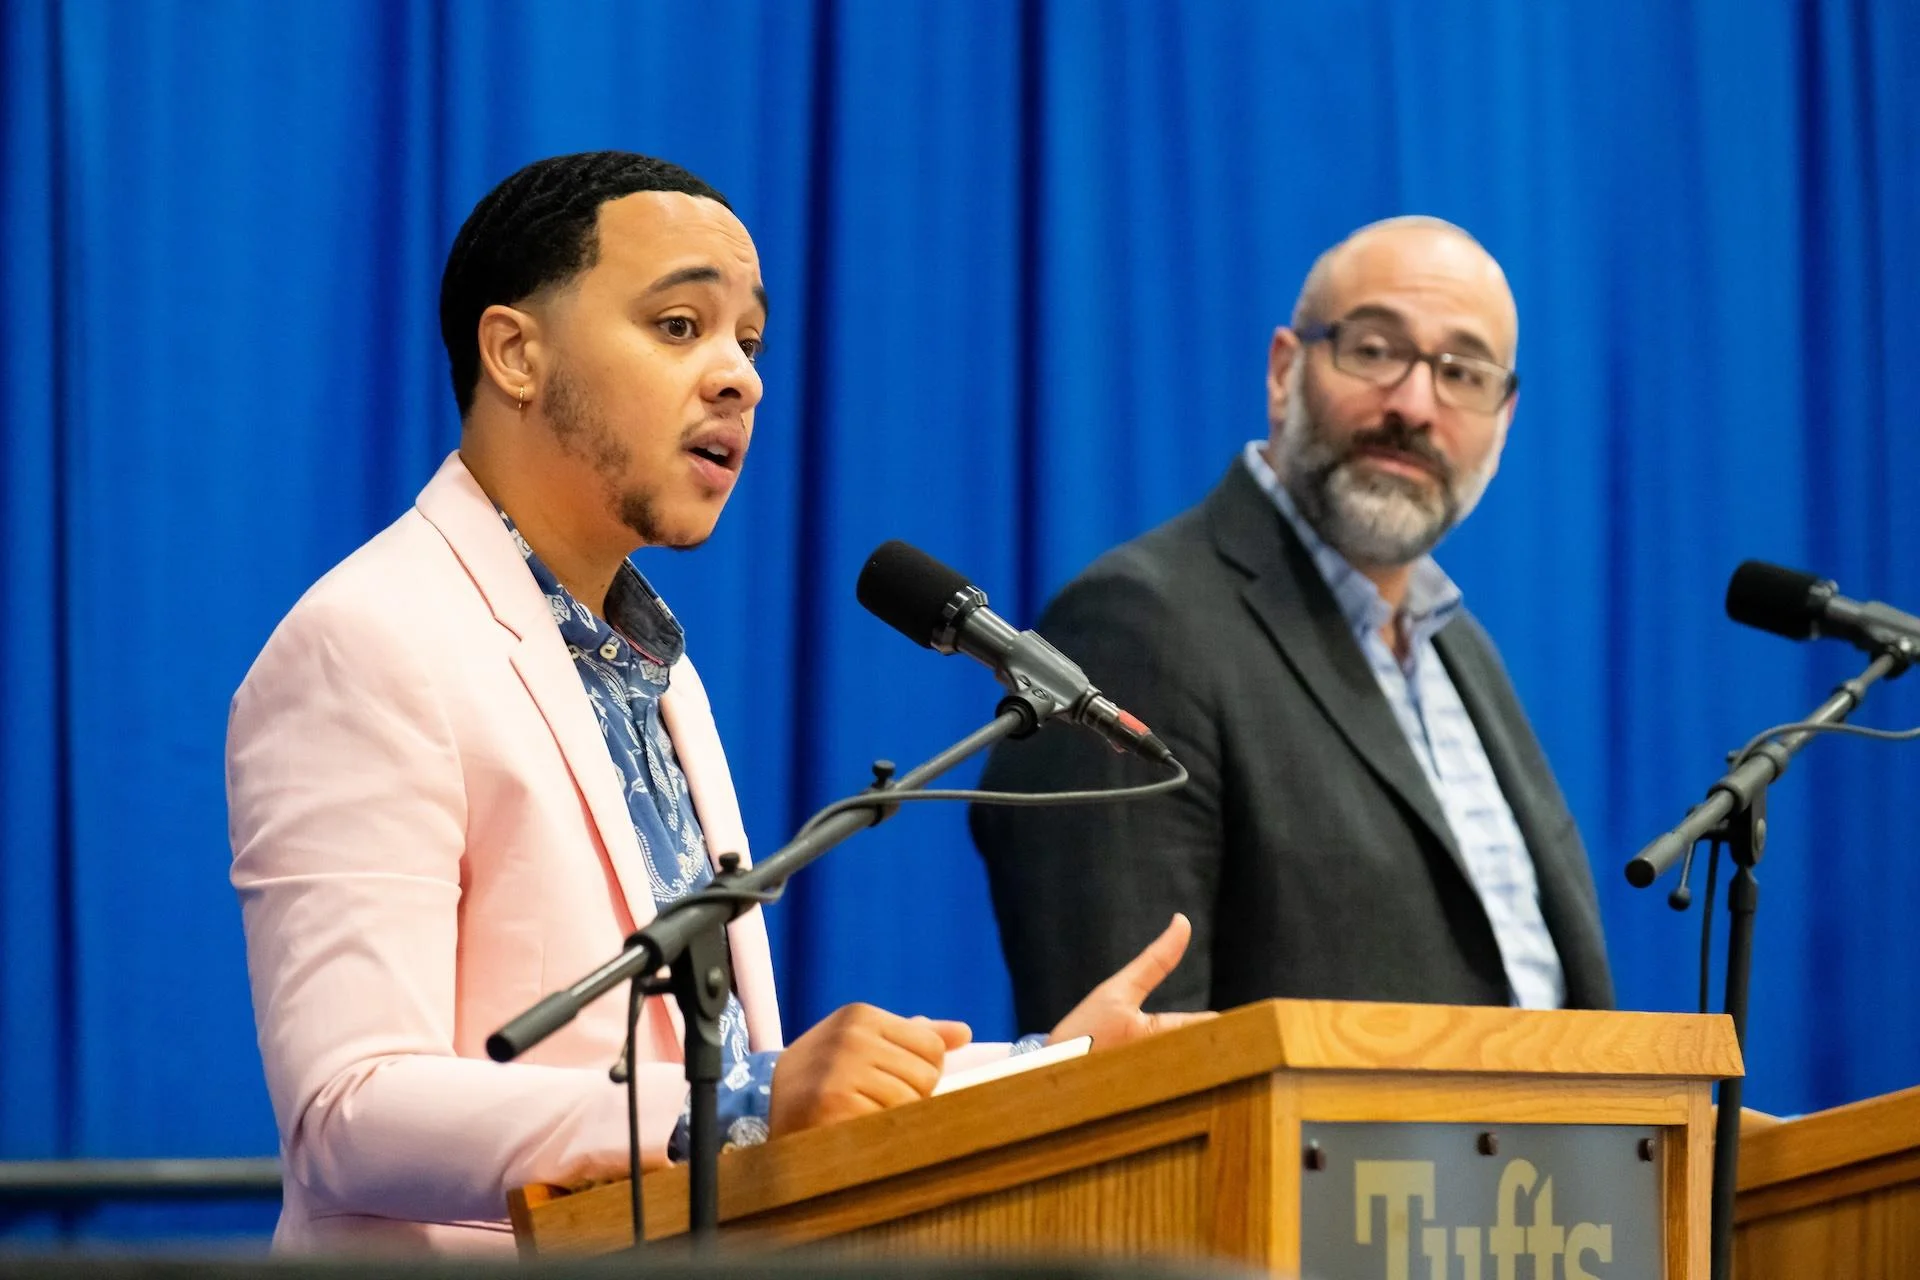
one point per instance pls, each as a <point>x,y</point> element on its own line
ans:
<point>1385,358</point>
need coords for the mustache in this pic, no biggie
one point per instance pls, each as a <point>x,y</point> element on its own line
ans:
<point>1396,435</point>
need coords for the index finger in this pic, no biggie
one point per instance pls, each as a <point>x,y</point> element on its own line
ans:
<point>926,1037</point>
<point>1140,975</point>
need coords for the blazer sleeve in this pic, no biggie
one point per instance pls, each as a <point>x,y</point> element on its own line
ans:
<point>1079,890</point>
<point>348,811</point>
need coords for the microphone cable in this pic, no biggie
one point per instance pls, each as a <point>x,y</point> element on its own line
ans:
<point>883,799</point>
<point>1740,757</point>
<point>873,798</point>
<point>1016,799</point>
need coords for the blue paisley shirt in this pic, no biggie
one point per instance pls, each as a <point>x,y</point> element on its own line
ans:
<point>625,662</point>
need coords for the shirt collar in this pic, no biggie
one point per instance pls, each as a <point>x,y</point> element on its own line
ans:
<point>635,612</point>
<point>1433,598</point>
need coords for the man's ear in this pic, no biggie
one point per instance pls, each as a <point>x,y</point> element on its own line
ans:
<point>510,352</point>
<point>1284,350</point>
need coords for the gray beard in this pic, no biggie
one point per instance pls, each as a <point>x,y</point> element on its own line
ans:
<point>1377,520</point>
<point>1374,519</point>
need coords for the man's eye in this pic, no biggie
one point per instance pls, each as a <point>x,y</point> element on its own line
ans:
<point>752,347</point>
<point>1468,376</point>
<point>1371,349</point>
<point>678,326</point>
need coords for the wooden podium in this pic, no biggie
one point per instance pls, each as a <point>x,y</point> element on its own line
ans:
<point>1836,1193</point>
<point>1208,1140</point>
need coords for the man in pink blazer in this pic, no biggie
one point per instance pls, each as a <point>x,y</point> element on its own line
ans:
<point>435,817</point>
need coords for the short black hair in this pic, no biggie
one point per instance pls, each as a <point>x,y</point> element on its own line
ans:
<point>537,229</point>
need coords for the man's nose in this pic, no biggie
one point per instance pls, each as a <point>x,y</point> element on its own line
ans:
<point>732,378</point>
<point>1413,397</point>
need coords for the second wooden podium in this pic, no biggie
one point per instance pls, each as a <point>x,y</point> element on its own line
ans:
<point>1841,1187</point>
<point>1342,1139</point>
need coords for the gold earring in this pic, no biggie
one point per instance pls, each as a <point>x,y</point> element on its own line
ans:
<point>523,398</point>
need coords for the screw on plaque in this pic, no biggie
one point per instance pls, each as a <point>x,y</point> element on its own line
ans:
<point>1488,1144</point>
<point>729,863</point>
<point>1316,1157</point>
<point>716,981</point>
<point>1647,1149</point>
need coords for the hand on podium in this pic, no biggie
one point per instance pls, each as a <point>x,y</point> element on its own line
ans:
<point>1111,1013</point>
<point>861,1059</point>
<point>855,1060</point>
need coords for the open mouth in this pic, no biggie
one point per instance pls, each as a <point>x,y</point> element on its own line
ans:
<point>722,445</point>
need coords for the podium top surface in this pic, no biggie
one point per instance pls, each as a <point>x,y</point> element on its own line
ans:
<point>1341,1035</point>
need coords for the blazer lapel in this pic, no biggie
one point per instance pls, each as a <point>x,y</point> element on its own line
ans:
<point>548,672</point>
<point>1567,901</point>
<point>456,505</point>
<point>1468,673</point>
<point>696,744</point>
<point>1297,610</point>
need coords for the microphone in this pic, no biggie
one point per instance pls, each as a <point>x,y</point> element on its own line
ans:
<point>936,607</point>
<point>1800,606</point>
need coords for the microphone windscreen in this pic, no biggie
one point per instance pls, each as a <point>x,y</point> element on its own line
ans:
<point>1783,601</point>
<point>908,590</point>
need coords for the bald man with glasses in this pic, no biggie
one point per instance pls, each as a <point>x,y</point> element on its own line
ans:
<point>1370,816</point>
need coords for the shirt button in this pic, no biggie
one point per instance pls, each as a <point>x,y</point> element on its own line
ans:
<point>610,650</point>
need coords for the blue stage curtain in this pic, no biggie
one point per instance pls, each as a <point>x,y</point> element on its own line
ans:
<point>1025,261</point>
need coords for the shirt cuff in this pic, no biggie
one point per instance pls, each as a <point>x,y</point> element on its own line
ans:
<point>744,1102</point>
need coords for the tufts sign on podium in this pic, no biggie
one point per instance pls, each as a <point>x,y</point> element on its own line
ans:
<point>1474,1202</point>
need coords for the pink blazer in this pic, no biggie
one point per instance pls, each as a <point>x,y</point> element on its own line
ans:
<point>428,836</point>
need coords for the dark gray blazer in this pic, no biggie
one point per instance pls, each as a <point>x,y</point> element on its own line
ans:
<point>1308,849</point>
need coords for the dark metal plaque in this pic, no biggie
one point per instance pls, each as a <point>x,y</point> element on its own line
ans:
<point>1481,1202</point>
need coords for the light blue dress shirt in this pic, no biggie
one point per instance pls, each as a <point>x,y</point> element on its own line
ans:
<point>1438,729</point>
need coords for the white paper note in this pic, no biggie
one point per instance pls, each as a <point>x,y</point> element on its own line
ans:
<point>1014,1064</point>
